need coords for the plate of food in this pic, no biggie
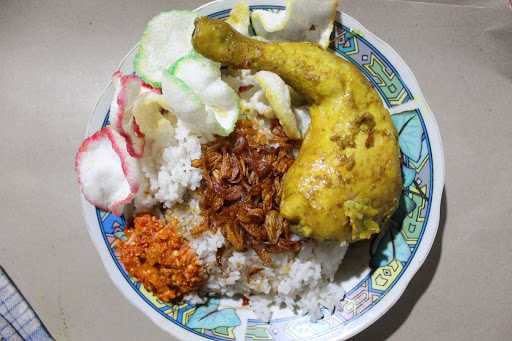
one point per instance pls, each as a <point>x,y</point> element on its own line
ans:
<point>261,170</point>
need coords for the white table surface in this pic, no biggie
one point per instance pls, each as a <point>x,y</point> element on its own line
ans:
<point>57,56</point>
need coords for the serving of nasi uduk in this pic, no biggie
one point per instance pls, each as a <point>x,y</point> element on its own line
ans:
<point>244,162</point>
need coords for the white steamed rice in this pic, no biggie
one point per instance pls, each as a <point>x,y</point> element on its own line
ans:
<point>167,169</point>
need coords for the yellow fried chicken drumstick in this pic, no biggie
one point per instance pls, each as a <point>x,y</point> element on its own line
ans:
<point>346,180</point>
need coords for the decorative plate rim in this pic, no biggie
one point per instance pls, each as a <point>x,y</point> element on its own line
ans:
<point>422,251</point>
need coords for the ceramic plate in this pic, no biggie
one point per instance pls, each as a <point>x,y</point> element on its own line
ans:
<point>375,273</point>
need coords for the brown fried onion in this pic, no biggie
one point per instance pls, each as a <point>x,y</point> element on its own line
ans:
<point>241,189</point>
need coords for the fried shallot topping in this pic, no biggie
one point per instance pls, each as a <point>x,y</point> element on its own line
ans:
<point>158,257</point>
<point>241,189</point>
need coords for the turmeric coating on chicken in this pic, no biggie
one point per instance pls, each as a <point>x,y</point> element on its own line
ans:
<point>346,181</point>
